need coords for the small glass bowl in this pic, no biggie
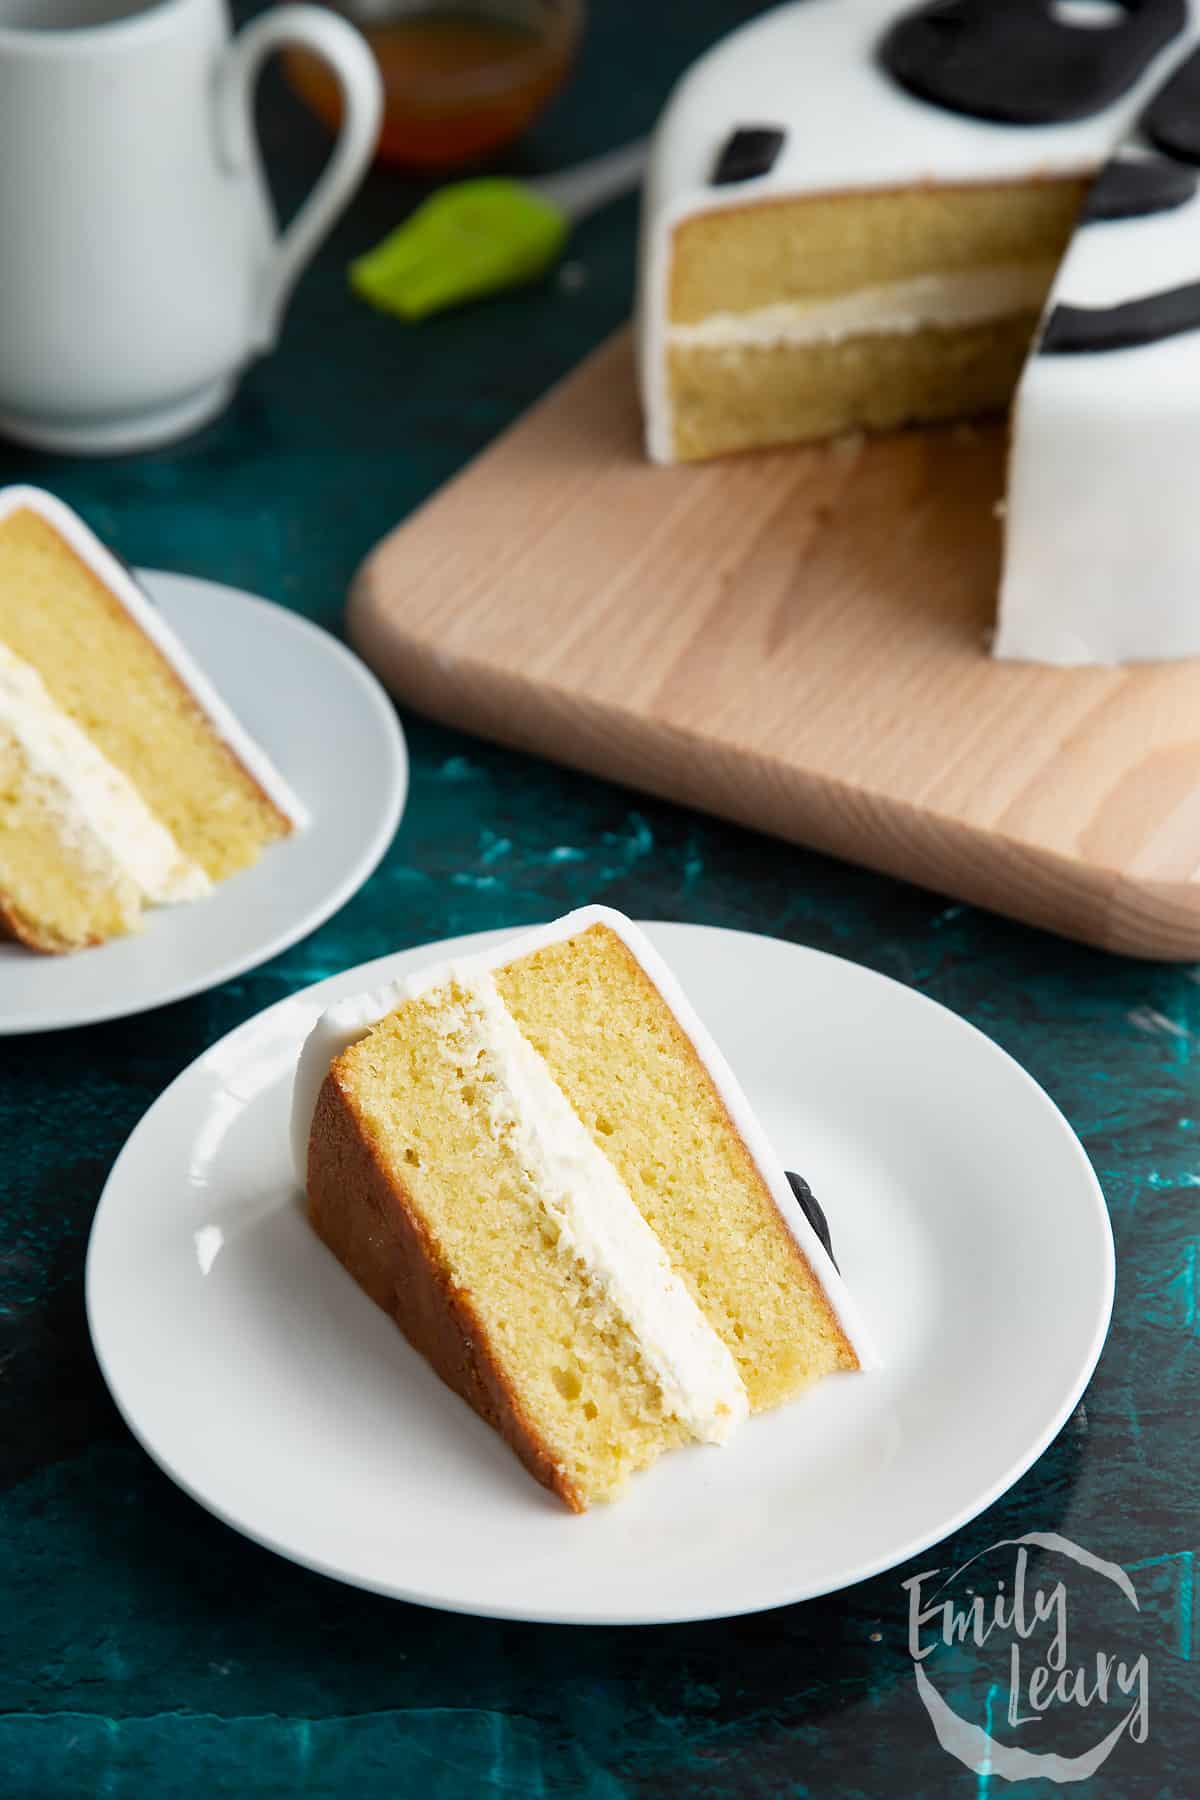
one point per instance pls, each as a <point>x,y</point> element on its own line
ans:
<point>462,78</point>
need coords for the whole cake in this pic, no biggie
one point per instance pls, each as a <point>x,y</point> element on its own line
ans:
<point>125,780</point>
<point>540,1165</point>
<point>860,215</point>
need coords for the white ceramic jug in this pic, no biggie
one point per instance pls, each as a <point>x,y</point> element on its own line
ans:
<point>140,266</point>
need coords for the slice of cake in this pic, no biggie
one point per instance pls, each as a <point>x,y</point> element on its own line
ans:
<point>540,1165</point>
<point>124,778</point>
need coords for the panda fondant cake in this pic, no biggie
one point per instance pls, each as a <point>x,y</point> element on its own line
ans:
<point>861,215</point>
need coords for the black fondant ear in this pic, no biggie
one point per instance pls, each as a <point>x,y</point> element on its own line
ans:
<point>748,152</point>
<point>1023,62</point>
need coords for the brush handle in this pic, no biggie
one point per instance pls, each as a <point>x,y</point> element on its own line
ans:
<point>590,185</point>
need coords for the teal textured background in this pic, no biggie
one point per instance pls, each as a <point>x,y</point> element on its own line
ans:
<point>144,1648</point>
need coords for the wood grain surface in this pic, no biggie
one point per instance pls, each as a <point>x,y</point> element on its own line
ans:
<point>796,640</point>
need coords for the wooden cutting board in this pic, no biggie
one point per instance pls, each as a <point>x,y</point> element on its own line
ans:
<point>795,640</point>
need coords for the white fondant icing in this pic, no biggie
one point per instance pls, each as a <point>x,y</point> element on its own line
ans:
<point>350,1020</point>
<point>1102,541</point>
<point>900,306</point>
<point>145,615</point>
<point>98,813</point>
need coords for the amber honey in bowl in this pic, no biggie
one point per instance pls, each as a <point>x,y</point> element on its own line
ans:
<point>461,79</point>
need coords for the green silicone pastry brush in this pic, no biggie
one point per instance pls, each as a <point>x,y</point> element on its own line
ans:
<point>479,237</point>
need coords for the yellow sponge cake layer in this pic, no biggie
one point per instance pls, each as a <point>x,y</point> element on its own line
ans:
<point>818,246</point>
<point>538,1168</point>
<point>106,674</point>
<point>621,1057</point>
<point>80,851</point>
<point>755,395</point>
<point>796,319</point>
<point>558,1359</point>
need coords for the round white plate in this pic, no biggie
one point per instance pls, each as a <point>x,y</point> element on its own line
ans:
<point>331,730</point>
<point>966,1218</point>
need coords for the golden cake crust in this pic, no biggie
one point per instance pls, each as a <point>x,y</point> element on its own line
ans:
<point>16,928</point>
<point>364,1215</point>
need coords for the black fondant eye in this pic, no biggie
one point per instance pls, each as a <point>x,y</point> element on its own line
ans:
<point>1024,62</point>
<point>1172,119</point>
<point>749,151</point>
<point>813,1211</point>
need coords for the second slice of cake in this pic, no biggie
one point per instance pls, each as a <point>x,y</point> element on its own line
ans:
<point>541,1166</point>
<point>125,779</point>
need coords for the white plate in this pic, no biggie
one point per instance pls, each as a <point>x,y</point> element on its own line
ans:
<point>965,1216</point>
<point>329,727</point>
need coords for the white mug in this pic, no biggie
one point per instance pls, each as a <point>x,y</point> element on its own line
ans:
<point>140,266</point>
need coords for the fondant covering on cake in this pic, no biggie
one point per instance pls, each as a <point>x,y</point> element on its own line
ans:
<point>1102,538</point>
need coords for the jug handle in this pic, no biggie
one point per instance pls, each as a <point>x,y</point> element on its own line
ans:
<point>348,54</point>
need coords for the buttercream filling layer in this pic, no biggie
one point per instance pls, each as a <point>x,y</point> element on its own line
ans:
<point>970,297</point>
<point>97,811</point>
<point>596,1222</point>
